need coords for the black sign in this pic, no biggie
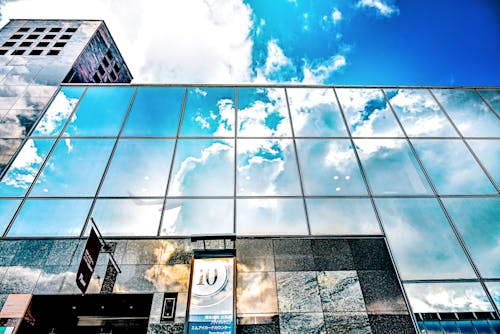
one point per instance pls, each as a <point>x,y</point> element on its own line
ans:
<point>110,278</point>
<point>168,308</point>
<point>89,261</point>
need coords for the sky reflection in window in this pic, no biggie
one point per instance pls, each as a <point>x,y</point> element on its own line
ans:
<point>488,152</point>
<point>7,209</point>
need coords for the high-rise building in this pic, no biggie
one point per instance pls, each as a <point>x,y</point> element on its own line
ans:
<point>36,56</point>
<point>255,209</point>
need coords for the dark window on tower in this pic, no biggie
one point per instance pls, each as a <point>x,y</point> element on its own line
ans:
<point>49,36</point>
<point>65,36</point>
<point>18,52</point>
<point>55,29</point>
<point>23,29</point>
<point>71,30</point>
<point>16,36</point>
<point>96,78</point>
<point>9,44</point>
<point>39,29</point>
<point>105,62</point>
<point>33,36</point>
<point>59,44</point>
<point>101,70</point>
<point>42,44</point>
<point>53,52</point>
<point>2,52</point>
<point>25,44</point>
<point>35,52</point>
<point>117,68</point>
<point>108,54</point>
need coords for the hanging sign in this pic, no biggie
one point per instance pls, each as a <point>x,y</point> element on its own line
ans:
<point>89,261</point>
<point>110,278</point>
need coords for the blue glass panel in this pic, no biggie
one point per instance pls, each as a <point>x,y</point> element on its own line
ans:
<point>469,113</point>
<point>263,113</point>
<point>139,168</point>
<point>128,217</point>
<point>494,289</point>
<point>342,216</point>
<point>421,240</point>
<point>329,167</point>
<point>391,167</point>
<point>58,112</point>
<point>447,297</point>
<point>7,209</point>
<point>155,112</point>
<point>74,169</point>
<point>466,327</point>
<point>450,327</point>
<point>48,217</point>
<point>209,112</point>
<point>493,98</point>
<point>270,216</point>
<point>203,168</point>
<point>368,113</point>
<point>419,113</point>
<point>488,152</point>
<point>23,170</point>
<point>478,220</point>
<point>100,112</point>
<point>198,216</point>
<point>433,327</point>
<point>495,324</point>
<point>482,327</point>
<point>267,167</point>
<point>315,112</point>
<point>452,168</point>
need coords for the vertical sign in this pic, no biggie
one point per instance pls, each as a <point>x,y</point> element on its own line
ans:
<point>89,261</point>
<point>110,278</point>
<point>211,296</point>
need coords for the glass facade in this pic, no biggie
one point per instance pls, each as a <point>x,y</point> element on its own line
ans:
<point>298,175</point>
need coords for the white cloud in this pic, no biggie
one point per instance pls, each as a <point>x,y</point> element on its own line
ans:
<point>276,58</point>
<point>383,8</point>
<point>336,15</point>
<point>321,72</point>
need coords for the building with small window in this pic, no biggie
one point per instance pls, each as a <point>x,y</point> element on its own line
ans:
<point>255,209</point>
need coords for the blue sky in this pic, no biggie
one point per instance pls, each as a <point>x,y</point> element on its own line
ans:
<point>355,42</point>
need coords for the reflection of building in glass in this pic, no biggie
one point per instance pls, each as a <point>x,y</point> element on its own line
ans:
<point>35,57</point>
<point>312,182</point>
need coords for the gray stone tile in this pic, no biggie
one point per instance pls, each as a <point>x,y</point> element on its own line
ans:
<point>173,278</point>
<point>298,292</point>
<point>258,325</point>
<point>135,279</point>
<point>293,255</point>
<point>3,298</point>
<point>348,323</point>
<point>302,323</point>
<point>176,252</point>
<point>180,310</point>
<point>169,328</point>
<point>370,254</point>
<point>54,278</point>
<point>391,324</point>
<point>62,252</point>
<point>144,251</point>
<point>381,292</point>
<point>340,291</point>
<point>156,306</point>
<point>103,258</point>
<point>254,255</point>
<point>8,249</point>
<point>332,255</point>
<point>32,253</point>
<point>19,279</point>
<point>256,293</point>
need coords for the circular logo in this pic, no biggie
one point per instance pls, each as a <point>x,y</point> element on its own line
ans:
<point>209,277</point>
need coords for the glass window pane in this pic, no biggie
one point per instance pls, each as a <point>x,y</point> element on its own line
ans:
<point>58,112</point>
<point>139,168</point>
<point>341,216</point>
<point>452,168</point>
<point>493,98</point>
<point>7,209</point>
<point>203,168</point>
<point>263,113</point>
<point>391,168</point>
<point>270,216</point>
<point>51,217</point>
<point>447,297</point>
<point>469,113</point>
<point>74,169</point>
<point>197,216</point>
<point>100,112</point>
<point>267,167</point>
<point>209,112</point>
<point>329,167</point>
<point>315,113</point>
<point>128,217</point>
<point>421,239</point>
<point>488,152</point>
<point>155,112</point>
<point>23,170</point>
<point>494,289</point>
<point>419,113</point>
<point>368,113</point>
<point>478,220</point>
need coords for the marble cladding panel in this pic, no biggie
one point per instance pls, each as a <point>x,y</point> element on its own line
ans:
<point>256,294</point>
<point>298,292</point>
<point>302,323</point>
<point>19,279</point>
<point>381,292</point>
<point>370,254</point>
<point>8,249</point>
<point>254,255</point>
<point>332,255</point>
<point>33,253</point>
<point>293,255</point>
<point>156,306</point>
<point>157,252</point>
<point>269,326</point>
<point>170,328</point>
<point>136,279</point>
<point>340,291</point>
<point>56,279</point>
<point>3,298</point>
<point>391,324</point>
<point>62,252</point>
<point>347,323</point>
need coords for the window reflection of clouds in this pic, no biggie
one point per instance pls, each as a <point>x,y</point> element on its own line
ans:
<point>329,167</point>
<point>469,113</point>
<point>23,170</point>
<point>391,167</point>
<point>494,289</point>
<point>452,168</point>
<point>7,209</point>
<point>315,112</point>
<point>209,112</point>
<point>203,168</point>
<point>262,113</point>
<point>488,152</point>
<point>267,167</point>
<point>419,113</point>
<point>58,112</point>
<point>493,98</point>
<point>271,216</point>
<point>342,216</point>
<point>478,221</point>
<point>422,240</point>
<point>197,216</point>
<point>447,297</point>
<point>368,113</point>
